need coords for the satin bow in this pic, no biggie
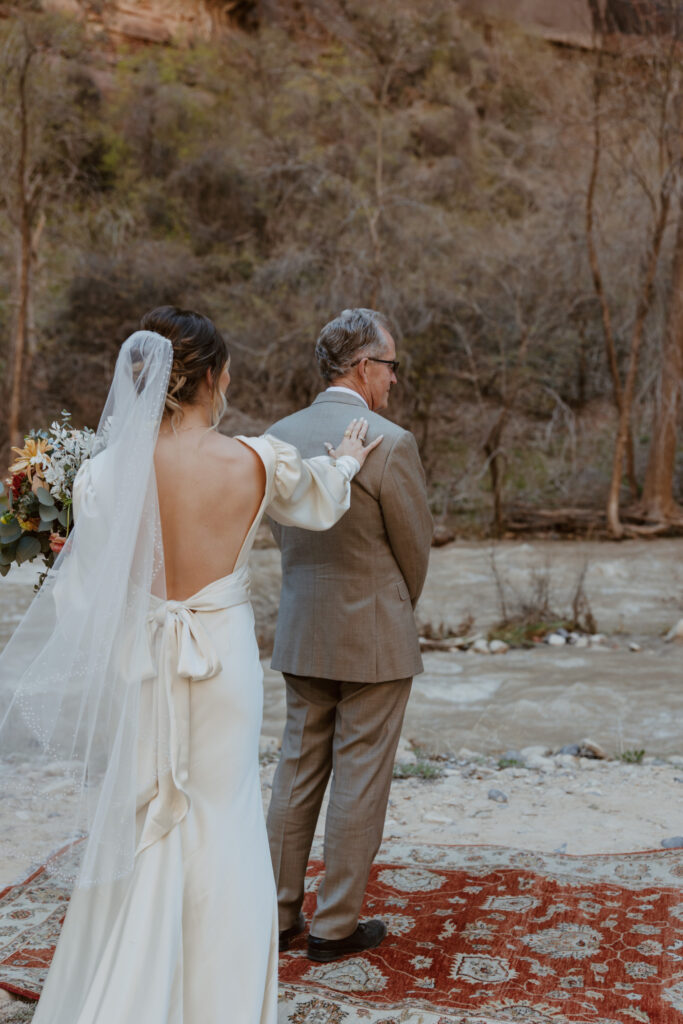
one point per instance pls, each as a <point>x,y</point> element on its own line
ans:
<point>183,653</point>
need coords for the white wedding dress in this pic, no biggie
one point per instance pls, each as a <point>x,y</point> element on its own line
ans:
<point>190,936</point>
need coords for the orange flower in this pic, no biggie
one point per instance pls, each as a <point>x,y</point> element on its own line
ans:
<point>57,542</point>
<point>32,451</point>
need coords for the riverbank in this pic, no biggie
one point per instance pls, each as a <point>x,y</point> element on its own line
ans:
<point>560,803</point>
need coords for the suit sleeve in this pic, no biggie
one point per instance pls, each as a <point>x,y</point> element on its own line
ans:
<point>407,519</point>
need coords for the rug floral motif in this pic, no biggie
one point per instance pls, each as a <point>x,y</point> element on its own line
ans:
<point>488,935</point>
<point>477,935</point>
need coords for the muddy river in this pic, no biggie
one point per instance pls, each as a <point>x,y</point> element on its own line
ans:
<point>623,699</point>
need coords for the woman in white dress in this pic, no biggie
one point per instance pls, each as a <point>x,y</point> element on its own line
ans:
<point>173,919</point>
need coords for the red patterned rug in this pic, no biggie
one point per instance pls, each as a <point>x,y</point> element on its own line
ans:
<point>486,934</point>
<point>477,935</point>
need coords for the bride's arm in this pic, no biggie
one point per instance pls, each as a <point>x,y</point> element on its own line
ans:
<point>315,493</point>
<point>310,493</point>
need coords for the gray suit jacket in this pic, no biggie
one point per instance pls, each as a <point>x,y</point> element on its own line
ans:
<point>348,593</point>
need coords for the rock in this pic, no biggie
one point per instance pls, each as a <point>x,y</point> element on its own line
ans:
<point>512,755</point>
<point>476,771</point>
<point>597,638</point>
<point>570,748</point>
<point>674,843</point>
<point>498,647</point>
<point>581,641</point>
<point>465,754</point>
<point>633,646</point>
<point>481,647</point>
<point>675,633</point>
<point>538,762</point>
<point>442,535</point>
<point>555,640</point>
<point>437,819</point>
<point>587,748</point>
<point>561,631</point>
<point>528,752</point>
<point>498,796</point>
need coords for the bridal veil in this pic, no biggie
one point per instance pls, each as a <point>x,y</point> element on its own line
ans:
<point>71,675</point>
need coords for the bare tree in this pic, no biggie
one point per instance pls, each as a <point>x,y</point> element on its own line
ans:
<point>658,502</point>
<point>37,132</point>
<point>650,75</point>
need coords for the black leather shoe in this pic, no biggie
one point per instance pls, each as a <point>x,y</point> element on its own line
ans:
<point>288,934</point>
<point>366,936</point>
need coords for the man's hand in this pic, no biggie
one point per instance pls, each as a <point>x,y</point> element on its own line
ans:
<point>353,442</point>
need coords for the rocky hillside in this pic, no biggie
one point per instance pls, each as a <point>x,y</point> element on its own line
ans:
<point>164,21</point>
<point>160,21</point>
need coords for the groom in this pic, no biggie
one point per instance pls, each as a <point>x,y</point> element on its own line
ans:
<point>346,642</point>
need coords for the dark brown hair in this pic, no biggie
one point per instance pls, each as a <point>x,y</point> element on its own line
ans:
<point>198,346</point>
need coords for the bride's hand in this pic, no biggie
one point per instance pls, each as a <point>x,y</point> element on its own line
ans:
<point>352,442</point>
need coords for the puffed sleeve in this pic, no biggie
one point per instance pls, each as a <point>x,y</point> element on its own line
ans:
<point>310,493</point>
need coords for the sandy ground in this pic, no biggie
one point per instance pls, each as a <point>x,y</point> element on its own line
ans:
<point>566,804</point>
<point>471,709</point>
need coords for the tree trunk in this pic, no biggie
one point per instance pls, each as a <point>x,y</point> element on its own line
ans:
<point>495,458</point>
<point>658,499</point>
<point>24,275</point>
<point>596,273</point>
<point>644,303</point>
<point>15,434</point>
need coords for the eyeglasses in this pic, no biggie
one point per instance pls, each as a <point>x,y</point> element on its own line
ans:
<point>393,363</point>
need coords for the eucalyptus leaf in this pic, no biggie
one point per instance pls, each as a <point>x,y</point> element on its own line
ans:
<point>48,515</point>
<point>45,524</point>
<point>10,531</point>
<point>7,553</point>
<point>27,548</point>
<point>64,517</point>
<point>44,496</point>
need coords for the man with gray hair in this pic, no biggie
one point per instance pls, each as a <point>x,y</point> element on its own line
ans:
<point>346,642</point>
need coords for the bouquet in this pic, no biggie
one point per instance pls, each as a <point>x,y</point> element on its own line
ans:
<point>38,516</point>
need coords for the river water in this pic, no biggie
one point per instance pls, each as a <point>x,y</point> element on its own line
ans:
<point>621,699</point>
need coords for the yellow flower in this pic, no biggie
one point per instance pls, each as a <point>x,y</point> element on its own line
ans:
<point>28,524</point>
<point>33,448</point>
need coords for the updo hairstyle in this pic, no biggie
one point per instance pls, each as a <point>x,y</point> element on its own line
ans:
<point>351,335</point>
<point>197,347</point>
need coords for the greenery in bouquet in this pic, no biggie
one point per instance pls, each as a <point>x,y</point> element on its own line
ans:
<point>39,493</point>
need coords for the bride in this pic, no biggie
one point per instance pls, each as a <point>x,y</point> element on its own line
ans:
<point>135,676</point>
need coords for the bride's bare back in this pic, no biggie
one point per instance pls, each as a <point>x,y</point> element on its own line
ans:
<point>210,490</point>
